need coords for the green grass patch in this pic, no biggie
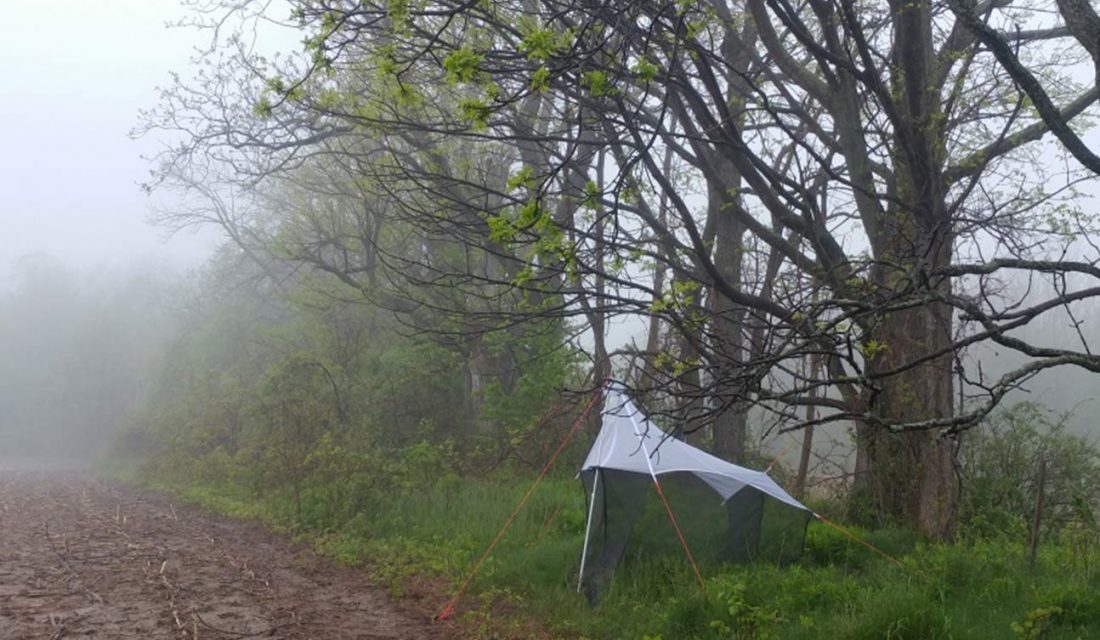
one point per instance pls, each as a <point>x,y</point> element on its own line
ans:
<point>840,590</point>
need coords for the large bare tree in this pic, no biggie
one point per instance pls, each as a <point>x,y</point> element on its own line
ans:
<point>771,182</point>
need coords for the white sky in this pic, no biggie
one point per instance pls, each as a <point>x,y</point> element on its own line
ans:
<point>75,74</point>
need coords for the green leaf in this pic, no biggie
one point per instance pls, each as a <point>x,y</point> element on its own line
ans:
<point>524,178</point>
<point>476,111</point>
<point>463,65</point>
<point>540,80</point>
<point>262,108</point>
<point>597,83</point>
<point>540,44</point>
<point>645,70</point>
<point>501,229</point>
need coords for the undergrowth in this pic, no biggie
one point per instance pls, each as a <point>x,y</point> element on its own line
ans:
<point>979,587</point>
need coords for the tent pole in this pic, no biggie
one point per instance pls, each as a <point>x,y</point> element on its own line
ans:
<point>588,526</point>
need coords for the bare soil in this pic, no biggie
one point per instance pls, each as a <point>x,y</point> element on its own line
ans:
<point>84,558</point>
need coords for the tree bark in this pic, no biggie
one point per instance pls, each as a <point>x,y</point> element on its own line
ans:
<point>730,427</point>
<point>691,423</point>
<point>807,433</point>
<point>911,474</point>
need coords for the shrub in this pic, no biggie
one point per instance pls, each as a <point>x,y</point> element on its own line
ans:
<point>1000,469</point>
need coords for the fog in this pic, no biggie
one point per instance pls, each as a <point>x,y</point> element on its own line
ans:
<point>76,72</point>
<point>78,349</point>
<point>81,271</point>
<point>86,282</point>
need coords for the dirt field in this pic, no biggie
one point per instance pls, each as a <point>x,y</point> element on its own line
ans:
<point>82,558</point>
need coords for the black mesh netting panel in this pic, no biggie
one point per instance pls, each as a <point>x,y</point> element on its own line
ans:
<point>630,525</point>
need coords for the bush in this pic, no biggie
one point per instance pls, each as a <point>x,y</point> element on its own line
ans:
<point>827,546</point>
<point>1000,470</point>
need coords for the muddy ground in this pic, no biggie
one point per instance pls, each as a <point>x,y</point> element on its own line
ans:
<point>84,558</point>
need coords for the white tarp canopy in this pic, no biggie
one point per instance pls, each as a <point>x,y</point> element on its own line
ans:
<point>629,441</point>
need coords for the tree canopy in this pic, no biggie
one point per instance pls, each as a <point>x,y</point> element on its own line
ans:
<point>808,205</point>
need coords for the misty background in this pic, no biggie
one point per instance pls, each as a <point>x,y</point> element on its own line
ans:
<point>83,276</point>
<point>92,295</point>
<point>76,75</point>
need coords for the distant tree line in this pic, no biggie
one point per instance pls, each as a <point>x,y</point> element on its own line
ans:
<point>77,351</point>
<point>280,387</point>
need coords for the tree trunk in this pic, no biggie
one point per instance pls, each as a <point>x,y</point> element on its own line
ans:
<point>730,427</point>
<point>484,366</point>
<point>807,434</point>
<point>730,433</point>
<point>690,426</point>
<point>647,374</point>
<point>911,475</point>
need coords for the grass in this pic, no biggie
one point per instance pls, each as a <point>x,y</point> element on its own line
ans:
<point>980,588</point>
